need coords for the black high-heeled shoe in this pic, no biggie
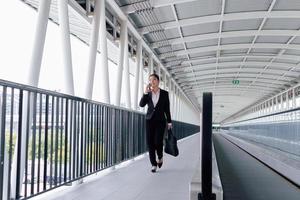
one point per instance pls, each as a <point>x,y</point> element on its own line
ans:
<point>160,163</point>
<point>153,169</point>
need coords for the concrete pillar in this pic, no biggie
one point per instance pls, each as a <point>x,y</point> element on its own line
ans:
<point>141,79</point>
<point>123,34</point>
<point>126,72</point>
<point>173,99</point>
<point>33,79</point>
<point>93,51</point>
<point>137,74</point>
<point>150,63</point>
<point>165,80</point>
<point>158,72</point>
<point>104,76</point>
<point>66,45</point>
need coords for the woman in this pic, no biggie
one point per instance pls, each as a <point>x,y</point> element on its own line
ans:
<point>158,114</point>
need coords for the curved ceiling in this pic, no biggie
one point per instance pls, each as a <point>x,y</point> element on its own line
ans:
<point>206,44</point>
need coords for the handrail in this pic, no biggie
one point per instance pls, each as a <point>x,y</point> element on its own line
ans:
<point>45,91</point>
<point>53,139</point>
<point>268,115</point>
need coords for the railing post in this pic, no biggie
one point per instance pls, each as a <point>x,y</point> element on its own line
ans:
<point>206,163</point>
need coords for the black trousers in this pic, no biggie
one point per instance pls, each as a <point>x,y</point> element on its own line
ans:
<point>155,134</point>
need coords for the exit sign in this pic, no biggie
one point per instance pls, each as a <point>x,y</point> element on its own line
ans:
<point>235,82</point>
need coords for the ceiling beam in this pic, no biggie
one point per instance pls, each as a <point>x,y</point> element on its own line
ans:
<point>225,17</point>
<point>247,75</point>
<point>283,57</point>
<point>187,84</point>
<point>154,3</point>
<point>241,88</point>
<point>229,34</point>
<point>230,65</point>
<point>228,83</point>
<point>258,88</point>
<point>232,47</point>
<point>206,60</point>
<point>220,93</point>
<point>255,71</point>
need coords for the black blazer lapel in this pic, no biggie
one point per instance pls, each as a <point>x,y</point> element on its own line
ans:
<point>150,100</point>
<point>160,97</point>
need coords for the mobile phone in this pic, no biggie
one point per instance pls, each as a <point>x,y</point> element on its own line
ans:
<point>149,86</point>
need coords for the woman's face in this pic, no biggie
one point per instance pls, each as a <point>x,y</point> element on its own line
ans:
<point>153,81</point>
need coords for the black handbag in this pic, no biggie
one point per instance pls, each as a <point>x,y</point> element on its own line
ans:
<point>171,144</point>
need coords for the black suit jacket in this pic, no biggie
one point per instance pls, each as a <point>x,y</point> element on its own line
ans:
<point>161,111</point>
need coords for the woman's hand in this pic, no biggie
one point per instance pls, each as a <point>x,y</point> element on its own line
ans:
<point>169,126</point>
<point>148,89</point>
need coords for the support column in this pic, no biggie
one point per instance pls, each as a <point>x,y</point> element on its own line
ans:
<point>141,78</point>
<point>151,69</point>
<point>93,51</point>
<point>281,97</point>
<point>287,100</point>
<point>178,106</point>
<point>173,100</point>
<point>137,74</point>
<point>181,107</point>
<point>171,96</point>
<point>104,76</point>
<point>294,99</point>
<point>277,105</point>
<point>165,80</point>
<point>33,80</point>
<point>66,45</point>
<point>123,34</point>
<point>158,71</point>
<point>39,43</point>
<point>170,85</point>
<point>126,72</point>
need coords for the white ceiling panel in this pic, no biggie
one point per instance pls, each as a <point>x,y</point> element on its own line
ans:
<point>287,5</point>
<point>266,51</point>
<point>292,52</point>
<point>172,33</point>
<point>210,53</point>
<point>200,29</point>
<point>278,60</point>
<point>233,6</point>
<point>203,43</point>
<point>234,51</point>
<point>198,8</point>
<point>272,39</point>
<point>258,59</point>
<point>238,25</point>
<point>237,40</point>
<point>164,14</point>
<point>282,24</point>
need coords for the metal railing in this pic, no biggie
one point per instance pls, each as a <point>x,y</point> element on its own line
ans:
<point>279,131</point>
<point>48,139</point>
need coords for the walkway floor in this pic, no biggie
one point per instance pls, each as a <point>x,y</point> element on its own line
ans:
<point>136,182</point>
<point>245,178</point>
